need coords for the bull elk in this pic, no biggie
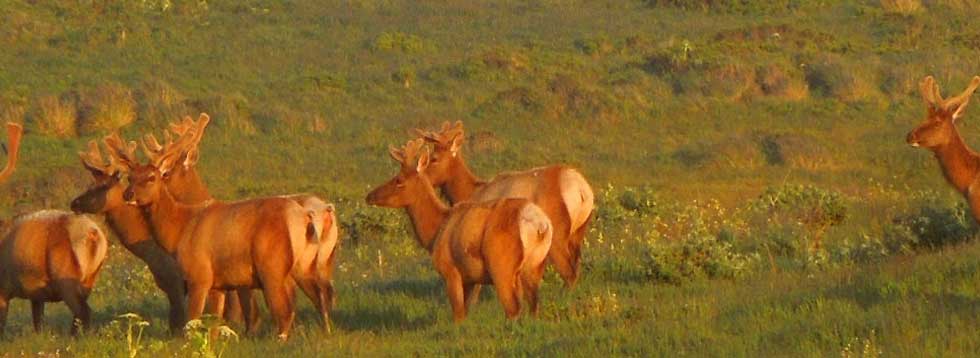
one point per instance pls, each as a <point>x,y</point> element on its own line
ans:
<point>14,132</point>
<point>938,133</point>
<point>105,196</point>
<point>313,272</point>
<point>502,241</point>
<point>51,256</point>
<point>561,191</point>
<point>239,246</point>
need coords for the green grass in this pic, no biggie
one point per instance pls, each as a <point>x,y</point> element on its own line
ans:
<point>681,113</point>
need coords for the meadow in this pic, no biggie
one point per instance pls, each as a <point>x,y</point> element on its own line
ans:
<point>755,194</point>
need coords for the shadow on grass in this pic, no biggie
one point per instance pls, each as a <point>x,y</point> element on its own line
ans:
<point>427,288</point>
<point>380,318</point>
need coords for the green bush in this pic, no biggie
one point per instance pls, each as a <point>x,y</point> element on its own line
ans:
<point>696,257</point>
<point>933,226</point>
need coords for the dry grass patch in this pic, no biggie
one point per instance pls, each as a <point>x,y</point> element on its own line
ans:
<point>106,108</point>
<point>54,117</point>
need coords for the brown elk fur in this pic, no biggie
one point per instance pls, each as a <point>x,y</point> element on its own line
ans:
<point>51,256</point>
<point>561,191</point>
<point>14,132</point>
<point>503,242</point>
<point>938,133</point>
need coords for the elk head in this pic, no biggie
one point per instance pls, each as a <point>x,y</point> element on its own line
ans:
<point>148,181</point>
<point>405,188</point>
<point>106,192</point>
<point>182,176</point>
<point>446,151</point>
<point>14,132</point>
<point>939,128</point>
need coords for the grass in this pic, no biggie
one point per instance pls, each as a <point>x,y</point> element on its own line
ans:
<point>682,114</point>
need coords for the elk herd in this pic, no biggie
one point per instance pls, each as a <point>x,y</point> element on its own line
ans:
<point>209,255</point>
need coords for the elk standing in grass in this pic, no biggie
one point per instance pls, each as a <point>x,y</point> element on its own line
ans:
<point>314,271</point>
<point>14,132</point>
<point>228,246</point>
<point>105,196</point>
<point>503,241</point>
<point>938,133</point>
<point>561,191</point>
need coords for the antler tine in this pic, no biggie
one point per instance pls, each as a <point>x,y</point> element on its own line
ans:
<point>937,95</point>
<point>926,87</point>
<point>93,158</point>
<point>963,96</point>
<point>396,154</point>
<point>151,147</point>
<point>182,126</point>
<point>202,122</point>
<point>124,151</point>
<point>412,148</point>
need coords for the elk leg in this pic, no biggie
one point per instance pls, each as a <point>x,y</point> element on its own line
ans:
<point>575,251</point>
<point>71,293</point>
<point>313,292</point>
<point>279,298</point>
<point>232,309</point>
<point>197,294</point>
<point>37,314</point>
<point>166,275</point>
<point>247,305</point>
<point>326,302</point>
<point>471,292</point>
<point>215,303</point>
<point>560,258</point>
<point>505,275</point>
<point>457,299</point>
<point>530,284</point>
<point>3,314</point>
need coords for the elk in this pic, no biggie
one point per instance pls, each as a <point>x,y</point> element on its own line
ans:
<point>14,132</point>
<point>938,133</point>
<point>313,273</point>
<point>561,191</point>
<point>51,256</point>
<point>227,246</point>
<point>105,196</point>
<point>503,241</point>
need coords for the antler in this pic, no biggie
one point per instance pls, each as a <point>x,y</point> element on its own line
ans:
<point>933,97</point>
<point>152,148</point>
<point>446,134</point>
<point>93,160</point>
<point>14,132</point>
<point>121,151</point>
<point>408,152</point>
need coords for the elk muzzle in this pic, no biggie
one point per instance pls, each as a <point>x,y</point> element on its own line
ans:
<point>912,139</point>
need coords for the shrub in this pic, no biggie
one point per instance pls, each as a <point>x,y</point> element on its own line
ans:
<point>798,209</point>
<point>159,103</point>
<point>106,108</point>
<point>54,117</point>
<point>730,6</point>
<point>840,80</point>
<point>785,82</point>
<point>700,256</point>
<point>931,226</point>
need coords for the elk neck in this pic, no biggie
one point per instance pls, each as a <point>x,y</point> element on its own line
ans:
<point>462,182</point>
<point>168,219</point>
<point>427,213</point>
<point>129,224</point>
<point>960,164</point>
<point>192,190</point>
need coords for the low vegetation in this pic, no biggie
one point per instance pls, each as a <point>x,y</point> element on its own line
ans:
<point>754,191</point>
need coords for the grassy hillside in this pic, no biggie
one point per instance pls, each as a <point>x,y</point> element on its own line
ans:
<point>756,193</point>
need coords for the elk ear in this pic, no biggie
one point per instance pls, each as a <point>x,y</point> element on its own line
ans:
<point>963,99</point>
<point>423,162</point>
<point>457,143</point>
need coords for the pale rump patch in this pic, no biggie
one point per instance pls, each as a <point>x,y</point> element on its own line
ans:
<point>578,197</point>
<point>328,243</point>
<point>536,232</point>
<point>88,243</point>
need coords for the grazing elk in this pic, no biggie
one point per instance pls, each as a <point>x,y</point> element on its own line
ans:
<point>51,256</point>
<point>228,246</point>
<point>561,191</point>
<point>14,132</point>
<point>938,133</point>
<point>503,241</point>
<point>314,271</point>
